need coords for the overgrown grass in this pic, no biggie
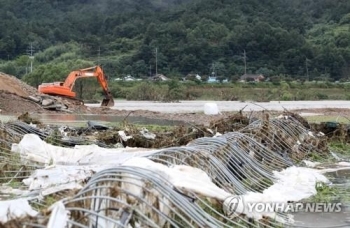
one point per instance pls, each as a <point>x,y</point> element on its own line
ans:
<point>329,193</point>
<point>155,128</point>
<point>333,193</point>
<point>340,147</point>
<point>325,193</point>
<point>327,118</point>
<point>260,92</point>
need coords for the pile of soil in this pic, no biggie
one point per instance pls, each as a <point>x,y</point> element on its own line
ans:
<point>14,95</point>
<point>14,98</point>
<point>11,103</point>
<point>14,85</point>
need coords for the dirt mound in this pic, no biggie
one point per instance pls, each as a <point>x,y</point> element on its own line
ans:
<point>14,85</point>
<point>18,97</point>
<point>11,103</point>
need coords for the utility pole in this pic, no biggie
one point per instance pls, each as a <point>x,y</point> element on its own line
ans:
<point>307,70</point>
<point>245,62</point>
<point>31,57</point>
<point>99,55</point>
<point>156,62</point>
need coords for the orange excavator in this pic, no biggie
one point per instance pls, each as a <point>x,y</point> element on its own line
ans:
<point>66,88</point>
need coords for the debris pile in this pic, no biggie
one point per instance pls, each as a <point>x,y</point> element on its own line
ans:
<point>182,186</point>
<point>334,130</point>
<point>58,103</point>
<point>287,137</point>
<point>231,123</point>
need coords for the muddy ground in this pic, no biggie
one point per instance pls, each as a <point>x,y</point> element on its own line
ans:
<point>201,118</point>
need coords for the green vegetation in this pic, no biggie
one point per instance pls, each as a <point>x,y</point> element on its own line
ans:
<point>325,193</point>
<point>333,193</point>
<point>326,118</point>
<point>328,194</point>
<point>288,40</point>
<point>155,128</point>
<point>260,92</point>
<point>340,147</point>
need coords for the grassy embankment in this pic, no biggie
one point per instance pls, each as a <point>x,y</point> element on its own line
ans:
<point>260,92</point>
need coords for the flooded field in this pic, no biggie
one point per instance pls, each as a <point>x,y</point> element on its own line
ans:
<point>197,106</point>
<point>81,119</point>
<point>323,220</point>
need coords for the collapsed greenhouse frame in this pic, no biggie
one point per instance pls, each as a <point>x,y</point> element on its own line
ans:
<point>150,194</point>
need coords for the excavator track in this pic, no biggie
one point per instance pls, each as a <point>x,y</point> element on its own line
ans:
<point>74,101</point>
<point>66,100</point>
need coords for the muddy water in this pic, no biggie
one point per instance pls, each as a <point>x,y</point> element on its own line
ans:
<point>340,179</point>
<point>79,119</point>
<point>336,219</point>
<point>198,105</point>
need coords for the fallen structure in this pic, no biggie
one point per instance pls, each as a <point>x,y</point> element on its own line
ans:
<point>185,186</point>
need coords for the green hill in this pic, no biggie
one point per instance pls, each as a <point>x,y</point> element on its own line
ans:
<point>294,38</point>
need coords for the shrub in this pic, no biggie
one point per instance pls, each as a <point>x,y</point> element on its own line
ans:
<point>321,96</point>
<point>286,96</point>
<point>148,91</point>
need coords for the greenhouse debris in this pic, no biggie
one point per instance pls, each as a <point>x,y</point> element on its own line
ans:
<point>15,209</point>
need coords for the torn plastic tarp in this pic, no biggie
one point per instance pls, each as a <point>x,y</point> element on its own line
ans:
<point>293,184</point>
<point>183,177</point>
<point>15,209</point>
<point>148,135</point>
<point>52,177</point>
<point>123,135</point>
<point>8,191</point>
<point>32,148</point>
<point>59,216</point>
<point>57,178</point>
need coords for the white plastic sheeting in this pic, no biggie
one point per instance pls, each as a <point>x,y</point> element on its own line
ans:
<point>182,177</point>
<point>70,167</point>
<point>211,109</point>
<point>32,148</point>
<point>311,164</point>
<point>57,178</point>
<point>67,168</point>
<point>293,184</point>
<point>59,216</point>
<point>54,178</point>
<point>15,209</point>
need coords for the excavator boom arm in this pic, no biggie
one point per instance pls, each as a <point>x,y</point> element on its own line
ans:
<point>68,84</point>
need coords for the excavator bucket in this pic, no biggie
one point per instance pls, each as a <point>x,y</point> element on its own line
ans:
<point>108,102</point>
